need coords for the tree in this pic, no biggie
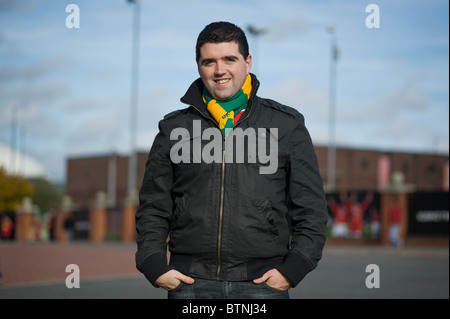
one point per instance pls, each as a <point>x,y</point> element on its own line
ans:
<point>13,188</point>
<point>46,195</point>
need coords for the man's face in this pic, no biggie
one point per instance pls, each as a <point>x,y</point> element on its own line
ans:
<point>223,69</point>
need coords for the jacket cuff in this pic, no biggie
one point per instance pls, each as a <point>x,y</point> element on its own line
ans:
<point>295,267</point>
<point>154,266</point>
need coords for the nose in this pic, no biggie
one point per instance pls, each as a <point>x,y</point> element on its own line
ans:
<point>220,68</point>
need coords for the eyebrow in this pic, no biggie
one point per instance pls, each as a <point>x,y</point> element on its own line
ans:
<point>227,57</point>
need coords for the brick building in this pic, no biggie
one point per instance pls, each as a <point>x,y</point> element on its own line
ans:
<point>86,176</point>
<point>364,169</point>
<point>356,169</point>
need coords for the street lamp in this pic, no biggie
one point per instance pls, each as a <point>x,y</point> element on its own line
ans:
<point>132,162</point>
<point>331,171</point>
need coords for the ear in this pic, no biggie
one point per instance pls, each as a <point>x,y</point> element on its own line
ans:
<point>248,63</point>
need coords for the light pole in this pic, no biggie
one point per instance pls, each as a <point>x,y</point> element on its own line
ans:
<point>132,162</point>
<point>331,171</point>
<point>13,139</point>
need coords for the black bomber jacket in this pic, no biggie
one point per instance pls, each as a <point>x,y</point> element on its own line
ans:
<point>231,208</point>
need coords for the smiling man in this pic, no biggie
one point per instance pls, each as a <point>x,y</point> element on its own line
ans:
<point>232,232</point>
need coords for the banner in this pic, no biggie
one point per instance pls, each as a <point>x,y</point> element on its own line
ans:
<point>428,213</point>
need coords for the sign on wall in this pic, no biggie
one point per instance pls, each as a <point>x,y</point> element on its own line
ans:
<point>428,213</point>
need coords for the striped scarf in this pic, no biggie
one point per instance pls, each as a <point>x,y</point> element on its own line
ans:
<point>228,112</point>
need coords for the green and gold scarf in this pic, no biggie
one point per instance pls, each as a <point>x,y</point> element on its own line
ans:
<point>228,112</point>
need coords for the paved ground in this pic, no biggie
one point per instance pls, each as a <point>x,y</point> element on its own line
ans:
<point>107,271</point>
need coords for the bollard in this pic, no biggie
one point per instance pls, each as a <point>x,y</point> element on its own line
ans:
<point>24,220</point>
<point>97,219</point>
<point>396,192</point>
<point>128,221</point>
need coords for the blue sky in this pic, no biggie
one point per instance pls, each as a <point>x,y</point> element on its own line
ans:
<point>71,87</point>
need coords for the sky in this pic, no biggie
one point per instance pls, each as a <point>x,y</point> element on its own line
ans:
<point>66,92</point>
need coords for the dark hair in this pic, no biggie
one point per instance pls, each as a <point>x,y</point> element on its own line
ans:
<point>218,32</point>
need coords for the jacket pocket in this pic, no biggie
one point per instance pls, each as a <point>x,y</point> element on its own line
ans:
<point>265,209</point>
<point>179,209</point>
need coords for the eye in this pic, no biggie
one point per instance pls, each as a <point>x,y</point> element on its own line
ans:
<point>207,62</point>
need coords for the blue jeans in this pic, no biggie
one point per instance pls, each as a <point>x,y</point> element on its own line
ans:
<point>210,289</point>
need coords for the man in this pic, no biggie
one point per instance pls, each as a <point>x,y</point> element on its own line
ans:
<point>239,223</point>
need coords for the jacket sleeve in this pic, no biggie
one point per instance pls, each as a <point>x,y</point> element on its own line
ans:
<point>155,210</point>
<point>307,206</point>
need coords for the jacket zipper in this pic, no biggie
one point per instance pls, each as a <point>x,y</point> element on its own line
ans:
<point>222,191</point>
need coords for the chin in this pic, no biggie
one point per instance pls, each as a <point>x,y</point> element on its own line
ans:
<point>223,96</point>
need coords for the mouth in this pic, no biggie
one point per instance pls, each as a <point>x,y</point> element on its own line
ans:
<point>222,81</point>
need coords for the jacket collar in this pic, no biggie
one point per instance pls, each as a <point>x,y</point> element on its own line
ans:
<point>193,95</point>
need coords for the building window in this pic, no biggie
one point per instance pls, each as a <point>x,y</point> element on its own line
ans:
<point>405,166</point>
<point>431,168</point>
<point>364,164</point>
